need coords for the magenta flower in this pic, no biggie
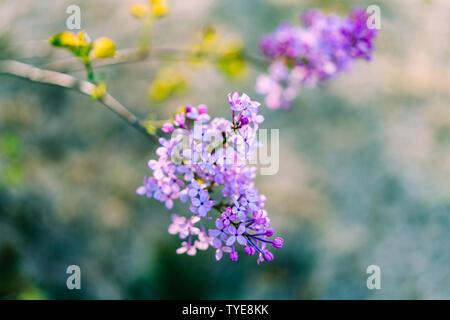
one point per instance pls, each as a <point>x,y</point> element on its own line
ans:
<point>228,216</point>
<point>180,120</point>
<point>167,128</point>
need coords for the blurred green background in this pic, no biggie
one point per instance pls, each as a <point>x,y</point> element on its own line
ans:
<point>364,174</point>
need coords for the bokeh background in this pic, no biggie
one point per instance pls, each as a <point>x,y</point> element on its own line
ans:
<point>364,174</point>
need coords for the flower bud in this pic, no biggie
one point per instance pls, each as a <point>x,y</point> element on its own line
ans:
<point>202,109</point>
<point>233,256</point>
<point>159,7</point>
<point>104,48</point>
<point>269,232</point>
<point>268,256</point>
<point>167,128</point>
<point>249,250</point>
<point>139,10</point>
<point>277,243</point>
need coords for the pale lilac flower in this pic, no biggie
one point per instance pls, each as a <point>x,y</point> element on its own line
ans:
<point>236,235</point>
<point>150,185</point>
<point>187,248</point>
<point>219,232</point>
<point>195,188</point>
<point>239,211</point>
<point>203,241</point>
<point>184,227</point>
<point>220,249</point>
<point>220,149</point>
<point>202,204</point>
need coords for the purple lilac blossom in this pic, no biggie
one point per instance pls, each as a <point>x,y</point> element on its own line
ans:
<point>301,57</point>
<point>206,159</point>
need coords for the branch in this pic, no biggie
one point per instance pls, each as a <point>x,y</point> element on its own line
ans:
<point>122,56</point>
<point>135,55</point>
<point>26,71</point>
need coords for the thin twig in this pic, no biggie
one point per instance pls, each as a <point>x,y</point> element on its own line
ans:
<point>26,71</point>
<point>73,64</point>
<point>136,55</point>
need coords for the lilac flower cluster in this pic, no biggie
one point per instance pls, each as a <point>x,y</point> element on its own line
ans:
<point>205,163</point>
<point>304,56</point>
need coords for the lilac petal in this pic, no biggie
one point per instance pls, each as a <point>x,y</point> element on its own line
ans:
<point>216,243</point>
<point>241,240</point>
<point>231,230</point>
<point>219,224</point>
<point>242,216</point>
<point>195,202</point>
<point>223,236</point>
<point>183,196</point>
<point>182,249</point>
<point>141,190</point>
<point>219,254</point>
<point>204,195</point>
<point>169,204</point>
<point>213,232</point>
<point>192,192</point>
<point>193,209</point>
<point>202,211</point>
<point>158,174</point>
<point>173,229</point>
<point>192,251</point>
<point>195,219</point>
<point>241,228</point>
<point>152,164</point>
<point>226,249</point>
<point>195,184</point>
<point>230,240</point>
